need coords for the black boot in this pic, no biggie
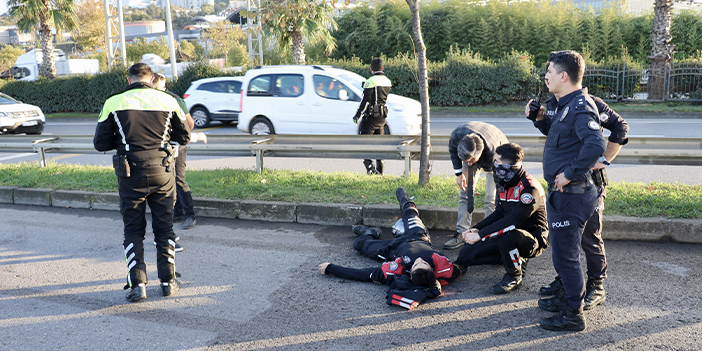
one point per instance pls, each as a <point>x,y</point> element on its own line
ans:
<point>569,319</point>
<point>403,198</point>
<point>552,288</point>
<point>507,284</point>
<point>379,166</point>
<point>555,303</point>
<point>170,287</point>
<point>370,169</point>
<point>363,230</point>
<point>137,293</point>
<point>594,293</point>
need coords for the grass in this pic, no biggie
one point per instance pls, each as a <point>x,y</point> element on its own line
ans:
<point>73,114</point>
<point>621,107</point>
<point>626,199</point>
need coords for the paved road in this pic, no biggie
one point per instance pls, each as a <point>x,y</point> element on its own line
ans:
<point>251,285</point>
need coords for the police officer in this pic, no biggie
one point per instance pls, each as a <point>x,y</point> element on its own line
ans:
<point>574,143</point>
<point>472,150</point>
<point>375,94</point>
<point>140,123</point>
<point>592,235</point>
<point>517,230</point>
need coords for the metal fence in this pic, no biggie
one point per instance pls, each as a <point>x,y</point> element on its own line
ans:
<point>681,82</point>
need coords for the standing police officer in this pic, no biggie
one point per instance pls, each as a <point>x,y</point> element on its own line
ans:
<point>574,143</point>
<point>375,93</point>
<point>139,123</point>
<point>592,242</point>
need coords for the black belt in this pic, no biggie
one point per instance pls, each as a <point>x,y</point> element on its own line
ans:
<point>151,162</point>
<point>571,188</point>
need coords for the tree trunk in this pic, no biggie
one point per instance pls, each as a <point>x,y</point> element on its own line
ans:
<point>424,167</point>
<point>661,49</point>
<point>48,67</point>
<point>298,48</point>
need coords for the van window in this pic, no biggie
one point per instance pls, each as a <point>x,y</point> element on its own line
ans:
<point>227,87</point>
<point>328,87</point>
<point>289,85</point>
<point>260,85</point>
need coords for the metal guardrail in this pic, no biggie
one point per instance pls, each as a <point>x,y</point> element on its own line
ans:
<point>639,150</point>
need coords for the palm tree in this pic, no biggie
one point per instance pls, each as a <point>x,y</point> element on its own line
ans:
<point>43,15</point>
<point>292,21</point>
<point>661,48</point>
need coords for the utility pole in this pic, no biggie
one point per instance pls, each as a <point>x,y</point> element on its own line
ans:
<point>115,23</point>
<point>171,45</point>
<point>254,31</point>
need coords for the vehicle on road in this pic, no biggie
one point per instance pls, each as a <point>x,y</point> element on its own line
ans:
<point>314,100</point>
<point>27,66</point>
<point>17,117</point>
<point>214,99</point>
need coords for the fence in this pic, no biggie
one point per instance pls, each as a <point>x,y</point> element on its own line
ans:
<point>681,82</point>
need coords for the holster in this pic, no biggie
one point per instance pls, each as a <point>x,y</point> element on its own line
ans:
<point>121,166</point>
<point>599,177</point>
<point>380,111</point>
<point>170,156</point>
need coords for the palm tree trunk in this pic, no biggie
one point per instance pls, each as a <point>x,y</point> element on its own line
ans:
<point>424,169</point>
<point>298,48</point>
<point>661,49</point>
<point>48,67</point>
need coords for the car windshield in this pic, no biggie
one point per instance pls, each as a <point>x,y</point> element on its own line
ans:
<point>6,100</point>
<point>353,78</point>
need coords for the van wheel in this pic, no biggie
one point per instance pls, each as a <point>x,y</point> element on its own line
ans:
<point>201,117</point>
<point>261,126</point>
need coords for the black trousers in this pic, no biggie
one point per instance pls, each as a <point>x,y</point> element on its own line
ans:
<point>385,249</point>
<point>155,186</point>
<point>184,200</point>
<point>592,242</point>
<point>373,126</point>
<point>506,249</point>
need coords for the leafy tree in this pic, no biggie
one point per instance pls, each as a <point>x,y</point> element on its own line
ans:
<point>90,35</point>
<point>221,37</point>
<point>293,21</point>
<point>44,14</point>
<point>140,46</point>
<point>357,34</point>
<point>9,55</point>
<point>238,56</point>
<point>207,9</point>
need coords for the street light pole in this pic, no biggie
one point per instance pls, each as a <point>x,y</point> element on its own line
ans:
<point>171,46</point>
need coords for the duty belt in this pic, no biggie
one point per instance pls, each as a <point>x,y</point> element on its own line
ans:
<point>151,162</point>
<point>571,188</point>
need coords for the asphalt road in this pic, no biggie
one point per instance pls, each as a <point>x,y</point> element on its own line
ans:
<point>249,285</point>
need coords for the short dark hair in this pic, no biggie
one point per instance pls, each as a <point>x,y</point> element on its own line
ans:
<point>423,277</point>
<point>377,65</point>
<point>510,153</point>
<point>139,71</point>
<point>569,61</point>
<point>469,146</point>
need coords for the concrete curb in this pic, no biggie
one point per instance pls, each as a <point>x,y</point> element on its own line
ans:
<point>435,218</point>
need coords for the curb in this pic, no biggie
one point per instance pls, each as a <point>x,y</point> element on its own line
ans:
<point>657,229</point>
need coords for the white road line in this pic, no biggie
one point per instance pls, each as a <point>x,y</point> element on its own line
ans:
<point>16,156</point>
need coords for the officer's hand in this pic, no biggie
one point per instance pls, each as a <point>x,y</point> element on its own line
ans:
<point>323,267</point>
<point>462,182</point>
<point>561,181</point>
<point>534,111</point>
<point>599,165</point>
<point>471,236</point>
<point>355,119</point>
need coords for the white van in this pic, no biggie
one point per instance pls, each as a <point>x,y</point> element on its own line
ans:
<point>314,100</point>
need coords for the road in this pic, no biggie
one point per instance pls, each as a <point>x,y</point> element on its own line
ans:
<point>249,285</point>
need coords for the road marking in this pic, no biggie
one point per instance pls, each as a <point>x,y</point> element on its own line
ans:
<point>670,268</point>
<point>16,156</point>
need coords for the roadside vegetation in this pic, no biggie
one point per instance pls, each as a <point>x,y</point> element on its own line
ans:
<point>626,199</point>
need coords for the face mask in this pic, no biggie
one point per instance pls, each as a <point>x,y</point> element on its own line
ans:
<point>505,172</point>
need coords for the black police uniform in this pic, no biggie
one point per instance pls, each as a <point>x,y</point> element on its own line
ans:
<point>516,229</point>
<point>139,123</point>
<point>375,94</point>
<point>592,242</point>
<point>184,199</point>
<point>574,143</point>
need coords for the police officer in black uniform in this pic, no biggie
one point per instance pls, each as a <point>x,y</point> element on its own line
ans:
<point>140,123</point>
<point>375,94</point>
<point>592,242</point>
<point>574,143</point>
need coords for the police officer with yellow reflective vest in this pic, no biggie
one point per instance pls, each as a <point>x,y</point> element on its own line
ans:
<point>592,242</point>
<point>140,123</point>
<point>375,94</point>
<point>573,145</point>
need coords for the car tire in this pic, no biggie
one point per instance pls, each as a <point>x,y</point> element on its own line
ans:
<point>261,126</point>
<point>201,117</point>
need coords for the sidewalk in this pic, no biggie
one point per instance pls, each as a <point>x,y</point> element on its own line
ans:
<point>616,227</point>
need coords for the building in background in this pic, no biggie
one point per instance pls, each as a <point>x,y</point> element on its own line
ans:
<point>10,35</point>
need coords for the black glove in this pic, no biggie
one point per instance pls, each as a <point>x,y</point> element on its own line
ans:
<point>355,119</point>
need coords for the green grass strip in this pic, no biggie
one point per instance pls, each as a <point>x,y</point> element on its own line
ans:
<point>626,199</point>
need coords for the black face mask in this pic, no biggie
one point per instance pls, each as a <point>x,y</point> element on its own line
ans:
<point>505,172</point>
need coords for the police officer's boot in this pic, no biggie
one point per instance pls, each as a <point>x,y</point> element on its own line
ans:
<point>137,293</point>
<point>508,284</point>
<point>553,287</point>
<point>170,287</point>
<point>594,292</point>
<point>403,198</point>
<point>361,230</point>
<point>370,169</point>
<point>568,319</point>
<point>555,303</point>
<point>379,166</point>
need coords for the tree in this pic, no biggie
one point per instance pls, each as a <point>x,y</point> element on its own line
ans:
<point>221,37</point>
<point>140,46</point>
<point>292,21</point>
<point>90,35</point>
<point>423,92</point>
<point>661,48</point>
<point>8,56</point>
<point>207,9</point>
<point>42,15</point>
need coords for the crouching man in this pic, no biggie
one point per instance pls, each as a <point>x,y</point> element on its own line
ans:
<point>414,271</point>
<point>517,230</point>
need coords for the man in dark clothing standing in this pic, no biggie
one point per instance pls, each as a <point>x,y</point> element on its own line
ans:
<point>517,230</point>
<point>375,94</point>
<point>472,148</point>
<point>140,123</point>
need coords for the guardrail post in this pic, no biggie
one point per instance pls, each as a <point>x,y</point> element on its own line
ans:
<point>40,149</point>
<point>42,157</point>
<point>259,154</point>
<point>407,156</point>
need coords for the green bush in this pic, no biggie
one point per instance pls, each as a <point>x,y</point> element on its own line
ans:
<point>195,71</point>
